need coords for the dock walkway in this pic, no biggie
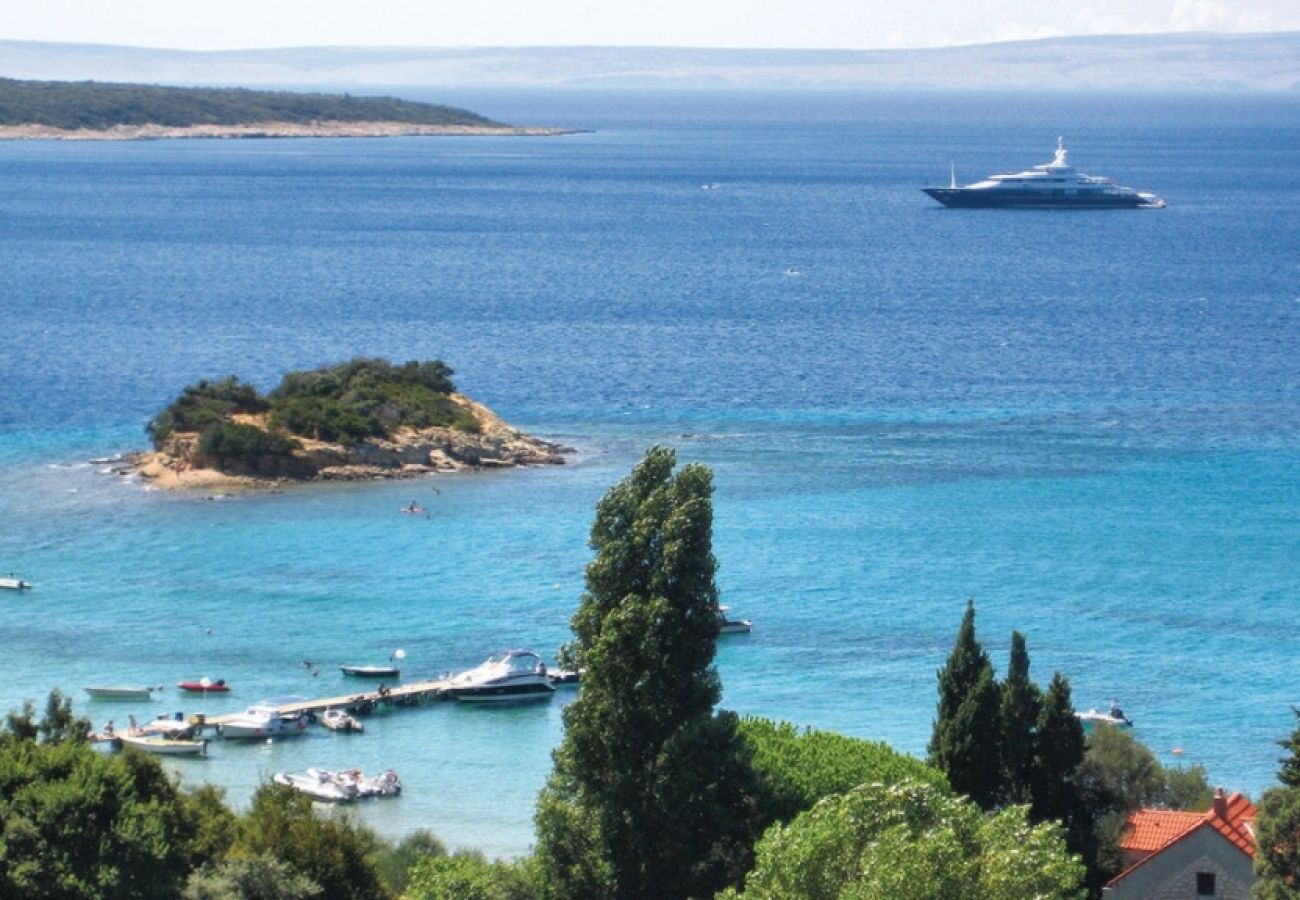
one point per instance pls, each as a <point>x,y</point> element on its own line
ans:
<point>417,692</point>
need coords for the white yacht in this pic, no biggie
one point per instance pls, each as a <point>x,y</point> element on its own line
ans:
<point>265,720</point>
<point>1054,185</point>
<point>727,625</point>
<point>510,675</point>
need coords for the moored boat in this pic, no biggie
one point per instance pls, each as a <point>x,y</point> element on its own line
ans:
<point>204,686</point>
<point>318,784</point>
<point>121,692</point>
<point>340,720</point>
<point>732,626</point>
<point>511,675</point>
<point>166,745</point>
<point>264,719</point>
<point>371,671</point>
<point>566,677</point>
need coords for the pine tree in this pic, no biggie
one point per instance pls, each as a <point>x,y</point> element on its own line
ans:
<point>1289,774</point>
<point>652,795</point>
<point>967,730</point>
<point>1020,707</point>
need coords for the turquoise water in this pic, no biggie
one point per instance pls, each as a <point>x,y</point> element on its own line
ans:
<point>1087,422</point>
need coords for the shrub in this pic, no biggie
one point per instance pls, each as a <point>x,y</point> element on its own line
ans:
<point>205,404</point>
<point>232,446</point>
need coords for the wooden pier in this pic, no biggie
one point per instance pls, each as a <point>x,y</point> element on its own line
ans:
<point>414,694</point>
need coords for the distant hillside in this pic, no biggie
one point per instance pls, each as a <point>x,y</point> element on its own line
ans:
<point>96,106</point>
<point>1184,61</point>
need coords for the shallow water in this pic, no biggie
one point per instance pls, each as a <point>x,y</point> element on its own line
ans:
<point>1086,421</point>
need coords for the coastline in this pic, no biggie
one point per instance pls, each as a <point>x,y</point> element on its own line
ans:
<point>147,132</point>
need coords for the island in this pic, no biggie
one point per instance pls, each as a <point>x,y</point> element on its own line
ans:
<point>362,419</point>
<point>89,110</point>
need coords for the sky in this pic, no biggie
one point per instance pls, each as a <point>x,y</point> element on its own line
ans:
<point>849,24</point>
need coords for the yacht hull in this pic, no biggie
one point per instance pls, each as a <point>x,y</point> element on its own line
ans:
<point>965,198</point>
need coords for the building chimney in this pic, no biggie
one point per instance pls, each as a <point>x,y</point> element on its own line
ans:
<point>1220,804</point>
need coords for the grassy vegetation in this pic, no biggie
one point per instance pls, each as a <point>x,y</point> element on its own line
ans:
<point>346,404</point>
<point>97,105</point>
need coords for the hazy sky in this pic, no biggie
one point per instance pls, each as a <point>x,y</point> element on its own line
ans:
<point>230,24</point>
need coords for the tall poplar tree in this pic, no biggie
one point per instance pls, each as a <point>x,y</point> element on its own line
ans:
<point>1021,703</point>
<point>964,744</point>
<point>652,795</point>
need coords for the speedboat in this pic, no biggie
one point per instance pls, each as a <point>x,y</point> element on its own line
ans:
<point>204,686</point>
<point>318,784</point>
<point>340,720</point>
<point>1054,185</point>
<point>1113,717</point>
<point>120,692</point>
<point>265,720</point>
<point>371,671</point>
<point>15,584</point>
<point>166,737</point>
<point>732,626</point>
<point>566,677</point>
<point>510,675</point>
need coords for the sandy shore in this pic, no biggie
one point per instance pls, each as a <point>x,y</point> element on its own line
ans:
<point>270,130</point>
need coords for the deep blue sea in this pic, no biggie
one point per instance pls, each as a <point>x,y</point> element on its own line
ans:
<point>1089,422</point>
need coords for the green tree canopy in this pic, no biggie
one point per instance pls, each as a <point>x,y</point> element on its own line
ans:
<point>468,876</point>
<point>250,878</point>
<point>912,841</point>
<point>1277,828</point>
<point>331,851</point>
<point>964,744</point>
<point>1020,705</point>
<point>652,795</point>
<point>797,768</point>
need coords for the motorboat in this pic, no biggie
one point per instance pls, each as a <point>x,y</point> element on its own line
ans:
<point>1054,185</point>
<point>15,584</point>
<point>266,720</point>
<point>340,720</point>
<point>566,677</point>
<point>732,626</point>
<point>509,675</point>
<point>204,686</point>
<point>342,786</point>
<point>318,784</point>
<point>121,692</point>
<point>371,671</point>
<point>166,737</point>
<point>1113,717</point>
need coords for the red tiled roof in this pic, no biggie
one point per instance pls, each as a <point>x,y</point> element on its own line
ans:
<point>1150,831</point>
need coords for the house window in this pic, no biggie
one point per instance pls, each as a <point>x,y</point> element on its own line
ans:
<point>1205,884</point>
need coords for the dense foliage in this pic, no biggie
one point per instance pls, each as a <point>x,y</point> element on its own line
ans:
<point>98,105</point>
<point>346,403</point>
<point>652,795</point>
<point>912,841</point>
<point>469,876</point>
<point>1277,828</point>
<point>796,768</point>
<point>965,742</point>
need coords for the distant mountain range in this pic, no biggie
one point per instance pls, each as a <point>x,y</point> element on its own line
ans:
<point>1185,61</point>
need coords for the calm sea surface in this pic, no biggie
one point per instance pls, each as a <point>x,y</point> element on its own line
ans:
<point>1089,422</point>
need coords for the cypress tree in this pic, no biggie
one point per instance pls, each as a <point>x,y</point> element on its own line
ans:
<point>652,795</point>
<point>1021,704</point>
<point>1289,774</point>
<point>1059,751</point>
<point>967,729</point>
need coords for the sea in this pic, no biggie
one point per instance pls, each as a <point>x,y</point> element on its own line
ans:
<point>1086,422</point>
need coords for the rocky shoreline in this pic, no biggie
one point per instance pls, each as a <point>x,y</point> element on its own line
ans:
<point>34,132</point>
<point>409,453</point>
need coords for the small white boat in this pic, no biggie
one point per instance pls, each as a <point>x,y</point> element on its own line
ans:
<point>265,720</point>
<point>120,692</point>
<point>371,671</point>
<point>340,720</point>
<point>385,784</point>
<point>732,626</point>
<point>507,676</point>
<point>15,584</point>
<point>165,745</point>
<point>318,784</point>
<point>1113,717</point>
<point>566,677</point>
